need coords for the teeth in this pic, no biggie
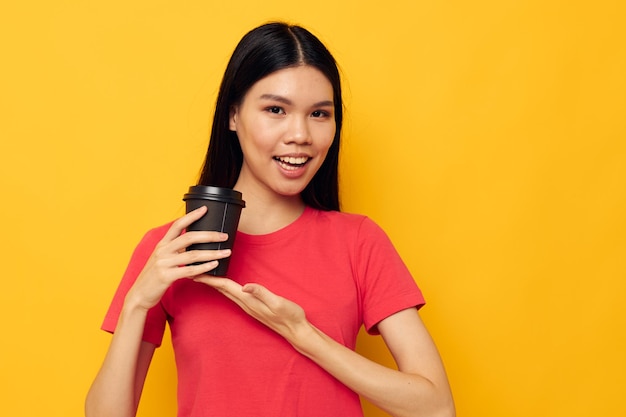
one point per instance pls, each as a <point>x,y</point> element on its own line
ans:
<point>293,160</point>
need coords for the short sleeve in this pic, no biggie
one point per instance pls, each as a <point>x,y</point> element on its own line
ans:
<point>156,319</point>
<point>385,283</point>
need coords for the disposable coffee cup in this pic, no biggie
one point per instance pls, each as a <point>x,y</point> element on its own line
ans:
<point>224,209</point>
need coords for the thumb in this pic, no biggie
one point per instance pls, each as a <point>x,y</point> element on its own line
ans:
<point>255,289</point>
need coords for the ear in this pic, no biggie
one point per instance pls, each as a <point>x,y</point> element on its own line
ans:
<point>232,118</point>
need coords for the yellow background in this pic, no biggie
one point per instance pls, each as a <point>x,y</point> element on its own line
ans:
<point>486,137</point>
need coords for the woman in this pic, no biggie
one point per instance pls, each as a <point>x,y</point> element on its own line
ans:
<point>277,337</point>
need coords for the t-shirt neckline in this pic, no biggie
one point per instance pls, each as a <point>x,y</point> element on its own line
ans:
<point>283,233</point>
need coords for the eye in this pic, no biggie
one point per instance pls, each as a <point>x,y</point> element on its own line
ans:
<point>320,113</point>
<point>275,110</point>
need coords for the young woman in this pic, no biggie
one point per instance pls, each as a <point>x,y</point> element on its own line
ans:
<point>277,336</point>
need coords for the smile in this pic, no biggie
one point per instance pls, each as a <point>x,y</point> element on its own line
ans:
<point>292,162</point>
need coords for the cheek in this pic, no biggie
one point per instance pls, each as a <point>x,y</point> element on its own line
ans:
<point>254,137</point>
<point>326,136</point>
<point>323,147</point>
<point>322,130</point>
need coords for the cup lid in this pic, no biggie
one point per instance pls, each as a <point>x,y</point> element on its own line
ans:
<point>209,192</point>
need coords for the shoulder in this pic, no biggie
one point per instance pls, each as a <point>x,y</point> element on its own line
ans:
<point>339,218</point>
<point>336,220</point>
<point>146,246</point>
<point>152,237</point>
<point>157,233</point>
<point>358,226</point>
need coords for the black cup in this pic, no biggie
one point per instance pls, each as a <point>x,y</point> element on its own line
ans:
<point>224,209</point>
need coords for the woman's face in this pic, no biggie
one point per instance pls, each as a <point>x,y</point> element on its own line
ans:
<point>285,125</point>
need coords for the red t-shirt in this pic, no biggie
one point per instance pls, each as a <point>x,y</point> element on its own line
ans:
<point>340,268</point>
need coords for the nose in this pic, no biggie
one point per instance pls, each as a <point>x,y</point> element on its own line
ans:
<point>298,131</point>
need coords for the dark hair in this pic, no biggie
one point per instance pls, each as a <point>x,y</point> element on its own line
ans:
<point>262,51</point>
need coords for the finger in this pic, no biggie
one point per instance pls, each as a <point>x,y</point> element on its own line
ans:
<point>230,289</point>
<point>257,290</point>
<point>181,259</point>
<point>191,271</point>
<point>201,255</point>
<point>183,222</point>
<point>262,294</point>
<point>173,265</point>
<point>225,285</point>
<point>185,240</point>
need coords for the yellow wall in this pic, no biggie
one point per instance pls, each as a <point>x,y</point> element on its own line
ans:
<point>487,137</point>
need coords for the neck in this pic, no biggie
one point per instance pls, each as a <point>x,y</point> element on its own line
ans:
<point>265,214</point>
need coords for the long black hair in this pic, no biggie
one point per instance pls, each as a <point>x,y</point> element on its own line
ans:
<point>262,51</point>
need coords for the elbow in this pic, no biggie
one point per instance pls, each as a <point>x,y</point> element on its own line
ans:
<point>447,410</point>
<point>441,404</point>
<point>445,407</point>
<point>91,409</point>
<point>444,404</point>
<point>97,407</point>
<point>89,406</point>
<point>440,409</point>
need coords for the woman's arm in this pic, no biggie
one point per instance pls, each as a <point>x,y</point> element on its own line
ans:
<point>418,388</point>
<point>117,387</point>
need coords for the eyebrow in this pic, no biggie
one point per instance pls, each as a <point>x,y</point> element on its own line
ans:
<point>285,100</point>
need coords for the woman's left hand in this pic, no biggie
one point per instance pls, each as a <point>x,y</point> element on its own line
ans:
<point>279,314</point>
<point>418,387</point>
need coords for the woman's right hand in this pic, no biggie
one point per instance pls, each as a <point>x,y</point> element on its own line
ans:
<point>171,261</point>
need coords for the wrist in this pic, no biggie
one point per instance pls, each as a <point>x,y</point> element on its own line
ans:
<point>133,305</point>
<point>132,317</point>
<point>305,339</point>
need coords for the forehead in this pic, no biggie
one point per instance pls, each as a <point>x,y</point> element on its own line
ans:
<point>301,82</point>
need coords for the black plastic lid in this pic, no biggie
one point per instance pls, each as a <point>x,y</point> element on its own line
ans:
<point>207,192</point>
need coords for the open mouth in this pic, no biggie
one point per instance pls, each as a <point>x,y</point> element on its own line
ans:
<point>292,162</point>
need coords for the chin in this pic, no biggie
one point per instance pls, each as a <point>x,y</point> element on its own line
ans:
<point>289,191</point>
